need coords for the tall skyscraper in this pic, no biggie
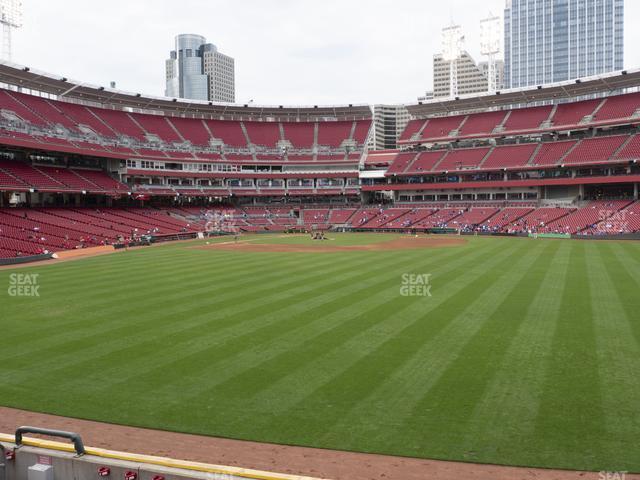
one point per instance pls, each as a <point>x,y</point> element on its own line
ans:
<point>196,70</point>
<point>549,41</point>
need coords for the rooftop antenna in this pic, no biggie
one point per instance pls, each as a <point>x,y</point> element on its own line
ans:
<point>10,18</point>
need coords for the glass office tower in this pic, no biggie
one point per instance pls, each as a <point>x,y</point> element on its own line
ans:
<point>549,41</point>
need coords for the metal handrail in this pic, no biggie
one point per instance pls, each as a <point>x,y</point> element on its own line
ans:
<point>74,437</point>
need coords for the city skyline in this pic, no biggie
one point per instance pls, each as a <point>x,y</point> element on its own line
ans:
<point>296,62</point>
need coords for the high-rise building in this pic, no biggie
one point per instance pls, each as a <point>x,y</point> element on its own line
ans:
<point>471,77</point>
<point>498,71</point>
<point>548,41</point>
<point>389,121</point>
<point>196,70</point>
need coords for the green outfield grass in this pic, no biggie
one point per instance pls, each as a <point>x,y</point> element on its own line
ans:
<point>527,352</point>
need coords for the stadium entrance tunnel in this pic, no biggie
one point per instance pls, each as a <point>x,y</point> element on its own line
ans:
<point>35,459</point>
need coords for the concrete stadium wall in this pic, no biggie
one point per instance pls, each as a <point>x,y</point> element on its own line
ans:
<point>59,461</point>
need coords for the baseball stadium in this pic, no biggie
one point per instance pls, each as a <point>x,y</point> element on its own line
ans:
<point>205,290</point>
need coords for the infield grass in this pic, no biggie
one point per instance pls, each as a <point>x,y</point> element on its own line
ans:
<point>527,352</point>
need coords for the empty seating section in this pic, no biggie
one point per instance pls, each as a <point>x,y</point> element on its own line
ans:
<point>410,218</point>
<point>229,132</point>
<point>299,134</point>
<point>44,109</point>
<point>482,123</point>
<point>509,156</point>
<point>148,152</point>
<point>30,175</point>
<point>528,119</point>
<point>8,102</point>
<point>401,162</point>
<point>426,162</point>
<point>88,145</point>
<point>102,180</point>
<point>626,220</point>
<point>266,134</point>
<point>389,215</point>
<point>120,122</point>
<point>157,125</point>
<point>631,151</point>
<point>503,218</point>
<point>70,179</point>
<point>537,220</point>
<point>585,217</point>
<point>83,116</point>
<point>472,217</point>
<point>341,216</point>
<point>440,218</point>
<point>551,153</point>
<point>573,113</point>
<point>412,128</point>
<point>315,216</point>
<point>462,159</point>
<point>7,180</point>
<point>31,231</point>
<point>594,150</point>
<point>21,175</point>
<point>192,130</point>
<point>146,130</point>
<point>361,131</point>
<point>523,119</point>
<point>440,127</point>
<point>619,106</point>
<point>332,134</point>
<point>363,216</point>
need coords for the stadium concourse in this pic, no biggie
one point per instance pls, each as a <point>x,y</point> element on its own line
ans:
<point>84,166</point>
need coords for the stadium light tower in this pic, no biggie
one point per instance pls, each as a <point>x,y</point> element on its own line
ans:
<point>452,47</point>
<point>491,46</point>
<point>10,18</point>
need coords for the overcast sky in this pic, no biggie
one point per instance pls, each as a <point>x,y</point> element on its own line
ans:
<point>286,51</point>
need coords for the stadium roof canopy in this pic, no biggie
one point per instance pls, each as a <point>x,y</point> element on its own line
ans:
<point>600,84</point>
<point>62,88</point>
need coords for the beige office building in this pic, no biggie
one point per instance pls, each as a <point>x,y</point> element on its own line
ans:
<point>389,121</point>
<point>472,78</point>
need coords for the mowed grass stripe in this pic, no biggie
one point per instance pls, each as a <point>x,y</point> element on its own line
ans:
<point>186,347</point>
<point>389,388</point>
<point>440,416</point>
<point>570,418</point>
<point>443,345</point>
<point>372,366</point>
<point>509,430</point>
<point>338,328</point>
<point>99,321</point>
<point>57,298</point>
<point>104,341</point>
<point>201,365</point>
<point>624,271</point>
<point>616,307</point>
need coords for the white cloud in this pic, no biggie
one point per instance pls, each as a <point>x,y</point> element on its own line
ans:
<point>286,51</point>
